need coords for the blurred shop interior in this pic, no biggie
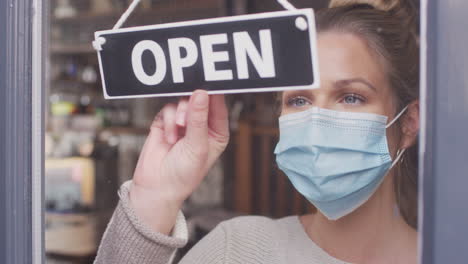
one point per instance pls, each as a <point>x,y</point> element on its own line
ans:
<point>92,144</point>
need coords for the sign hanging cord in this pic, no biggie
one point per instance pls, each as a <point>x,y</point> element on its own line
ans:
<point>97,44</point>
<point>284,3</point>
<point>126,14</point>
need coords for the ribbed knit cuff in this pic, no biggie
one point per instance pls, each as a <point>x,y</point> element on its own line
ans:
<point>128,240</point>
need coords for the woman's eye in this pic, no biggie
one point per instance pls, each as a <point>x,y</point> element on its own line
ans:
<point>353,99</point>
<point>298,102</point>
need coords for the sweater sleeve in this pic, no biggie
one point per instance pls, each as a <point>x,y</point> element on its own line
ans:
<point>128,240</point>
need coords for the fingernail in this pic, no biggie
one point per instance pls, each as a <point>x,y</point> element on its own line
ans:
<point>200,98</point>
<point>180,118</point>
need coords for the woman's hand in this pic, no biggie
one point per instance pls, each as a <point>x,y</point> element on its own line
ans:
<point>184,142</point>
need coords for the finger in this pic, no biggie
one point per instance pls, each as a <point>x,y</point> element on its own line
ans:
<point>170,127</point>
<point>196,134</point>
<point>182,112</point>
<point>158,122</point>
<point>218,121</point>
<point>156,136</point>
<point>155,148</point>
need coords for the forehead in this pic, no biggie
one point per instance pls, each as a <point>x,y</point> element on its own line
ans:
<point>347,56</point>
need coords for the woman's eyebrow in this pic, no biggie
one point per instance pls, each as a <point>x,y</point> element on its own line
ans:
<point>293,93</point>
<point>341,83</point>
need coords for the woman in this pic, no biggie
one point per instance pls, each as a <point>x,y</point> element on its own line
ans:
<point>349,147</point>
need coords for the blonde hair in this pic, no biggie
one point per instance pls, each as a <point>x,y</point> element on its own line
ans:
<point>384,5</point>
<point>390,29</point>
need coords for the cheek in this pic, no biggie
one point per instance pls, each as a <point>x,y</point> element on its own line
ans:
<point>284,112</point>
<point>282,109</point>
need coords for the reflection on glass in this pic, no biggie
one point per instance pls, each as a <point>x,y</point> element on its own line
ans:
<point>92,145</point>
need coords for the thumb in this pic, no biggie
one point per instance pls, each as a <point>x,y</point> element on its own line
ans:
<point>197,122</point>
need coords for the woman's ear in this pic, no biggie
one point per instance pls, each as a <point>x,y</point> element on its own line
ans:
<point>410,125</point>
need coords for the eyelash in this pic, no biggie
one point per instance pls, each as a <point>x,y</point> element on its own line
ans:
<point>356,96</point>
<point>292,100</point>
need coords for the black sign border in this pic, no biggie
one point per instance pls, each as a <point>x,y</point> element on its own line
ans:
<point>308,12</point>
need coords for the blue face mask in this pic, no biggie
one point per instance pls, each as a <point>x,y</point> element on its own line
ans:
<point>337,160</point>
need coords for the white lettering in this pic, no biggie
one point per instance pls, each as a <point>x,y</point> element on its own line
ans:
<point>244,46</point>
<point>177,62</point>
<point>159,58</point>
<point>262,59</point>
<point>210,57</point>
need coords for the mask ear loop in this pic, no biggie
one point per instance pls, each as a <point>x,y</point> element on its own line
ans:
<point>398,116</point>
<point>400,151</point>
<point>398,157</point>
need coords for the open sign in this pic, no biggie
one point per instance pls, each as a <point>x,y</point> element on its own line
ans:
<point>251,53</point>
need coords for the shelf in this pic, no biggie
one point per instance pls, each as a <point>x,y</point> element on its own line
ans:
<point>169,8</point>
<point>75,81</point>
<point>127,130</point>
<point>170,11</point>
<point>74,85</point>
<point>68,49</point>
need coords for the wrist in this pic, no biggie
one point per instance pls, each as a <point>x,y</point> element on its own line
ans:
<point>158,210</point>
<point>145,195</point>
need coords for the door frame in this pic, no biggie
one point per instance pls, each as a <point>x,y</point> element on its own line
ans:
<point>21,137</point>
<point>443,178</point>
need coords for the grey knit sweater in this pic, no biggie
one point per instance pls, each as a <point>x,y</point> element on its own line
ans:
<point>243,240</point>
